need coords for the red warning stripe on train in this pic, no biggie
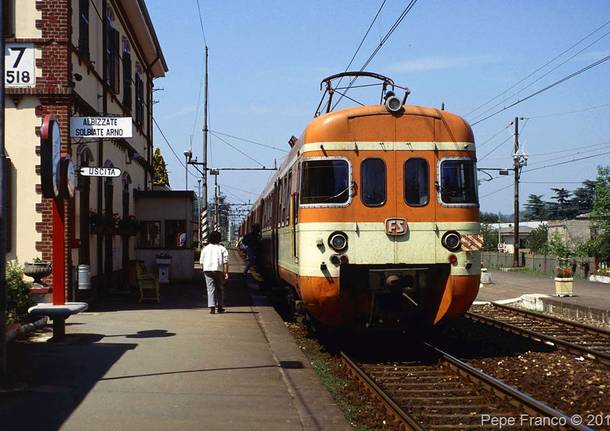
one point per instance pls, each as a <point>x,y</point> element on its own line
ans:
<point>472,242</point>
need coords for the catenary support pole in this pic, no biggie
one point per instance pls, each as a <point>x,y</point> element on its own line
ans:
<point>3,211</point>
<point>204,191</point>
<point>517,165</point>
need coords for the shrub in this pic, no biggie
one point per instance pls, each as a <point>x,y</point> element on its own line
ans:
<point>18,298</point>
<point>563,272</point>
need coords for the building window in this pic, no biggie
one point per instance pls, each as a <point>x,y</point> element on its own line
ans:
<point>373,182</point>
<point>126,78</point>
<point>325,182</point>
<point>112,56</point>
<point>139,100</point>
<point>150,236</point>
<point>83,29</point>
<point>416,182</point>
<point>9,18</point>
<point>458,182</point>
<point>175,234</point>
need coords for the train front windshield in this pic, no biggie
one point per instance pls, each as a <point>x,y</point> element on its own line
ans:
<point>458,182</point>
<point>325,182</point>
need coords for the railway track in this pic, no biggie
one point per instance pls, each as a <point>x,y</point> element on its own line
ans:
<point>575,337</point>
<point>437,391</point>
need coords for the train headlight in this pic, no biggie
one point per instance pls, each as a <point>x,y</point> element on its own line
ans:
<point>393,104</point>
<point>337,241</point>
<point>451,241</point>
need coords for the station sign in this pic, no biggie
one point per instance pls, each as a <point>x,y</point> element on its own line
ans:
<point>93,171</point>
<point>101,127</point>
<point>19,63</point>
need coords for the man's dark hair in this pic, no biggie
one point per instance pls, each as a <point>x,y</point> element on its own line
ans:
<point>215,237</point>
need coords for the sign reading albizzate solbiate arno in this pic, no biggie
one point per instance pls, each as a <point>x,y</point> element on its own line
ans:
<point>101,127</point>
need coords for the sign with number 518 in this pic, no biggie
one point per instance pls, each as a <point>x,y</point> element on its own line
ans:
<point>19,61</point>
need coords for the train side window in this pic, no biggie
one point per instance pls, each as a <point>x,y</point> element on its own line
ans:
<point>417,182</point>
<point>325,182</point>
<point>458,181</point>
<point>373,182</point>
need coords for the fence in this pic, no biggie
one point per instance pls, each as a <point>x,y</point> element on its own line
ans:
<point>539,263</point>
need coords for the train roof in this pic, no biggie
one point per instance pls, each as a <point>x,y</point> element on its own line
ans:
<point>335,127</point>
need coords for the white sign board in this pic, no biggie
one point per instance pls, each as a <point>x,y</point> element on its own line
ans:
<point>91,171</point>
<point>101,127</point>
<point>19,61</point>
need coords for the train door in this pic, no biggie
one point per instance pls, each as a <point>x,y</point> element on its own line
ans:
<point>415,167</point>
<point>294,217</point>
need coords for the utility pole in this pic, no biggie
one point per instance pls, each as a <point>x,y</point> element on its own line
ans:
<point>517,166</point>
<point>3,211</point>
<point>203,216</point>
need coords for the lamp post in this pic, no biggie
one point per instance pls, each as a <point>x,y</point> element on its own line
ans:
<point>199,212</point>
<point>188,155</point>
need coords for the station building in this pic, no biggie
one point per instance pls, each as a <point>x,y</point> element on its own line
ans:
<point>94,58</point>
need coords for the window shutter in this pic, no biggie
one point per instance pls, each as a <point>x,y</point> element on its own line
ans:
<point>9,18</point>
<point>116,51</point>
<point>83,30</point>
<point>127,82</point>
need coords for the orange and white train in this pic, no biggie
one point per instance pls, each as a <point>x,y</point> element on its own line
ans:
<point>373,217</point>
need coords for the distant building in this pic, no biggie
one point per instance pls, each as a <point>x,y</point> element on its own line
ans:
<point>88,58</point>
<point>571,232</point>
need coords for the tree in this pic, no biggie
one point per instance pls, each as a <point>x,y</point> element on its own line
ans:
<point>562,196</point>
<point>537,239</point>
<point>490,235</point>
<point>160,177</point>
<point>489,217</point>
<point>600,243</point>
<point>535,208</point>
<point>582,201</point>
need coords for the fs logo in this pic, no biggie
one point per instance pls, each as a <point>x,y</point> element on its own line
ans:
<point>396,226</point>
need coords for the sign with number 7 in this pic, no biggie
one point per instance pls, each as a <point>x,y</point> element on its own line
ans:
<point>20,62</point>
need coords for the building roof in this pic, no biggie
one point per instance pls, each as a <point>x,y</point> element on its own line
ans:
<point>142,26</point>
<point>522,230</point>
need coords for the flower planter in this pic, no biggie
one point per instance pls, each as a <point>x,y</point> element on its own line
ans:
<point>600,278</point>
<point>564,286</point>
<point>37,270</point>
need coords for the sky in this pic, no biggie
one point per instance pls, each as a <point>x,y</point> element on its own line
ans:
<point>267,58</point>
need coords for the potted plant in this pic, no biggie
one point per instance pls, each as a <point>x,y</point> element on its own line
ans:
<point>563,279</point>
<point>37,269</point>
<point>128,226</point>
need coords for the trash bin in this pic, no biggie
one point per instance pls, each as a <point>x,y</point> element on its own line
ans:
<point>84,277</point>
<point>485,276</point>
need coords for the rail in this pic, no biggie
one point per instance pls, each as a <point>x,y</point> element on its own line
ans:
<point>457,389</point>
<point>575,337</point>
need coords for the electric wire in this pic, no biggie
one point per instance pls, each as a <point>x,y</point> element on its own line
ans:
<point>398,21</point>
<point>539,68</point>
<point>237,149</point>
<point>542,76</point>
<point>201,23</point>
<point>558,114</point>
<point>566,162</point>
<point>496,147</point>
<point>250,141</point>
<point>548,87</point>
<point>496,191</point>
<point>488,140</point>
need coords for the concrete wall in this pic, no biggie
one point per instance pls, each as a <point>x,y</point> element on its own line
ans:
<point>539,263</point>
<point>571,232</point>
<point>181,269</point>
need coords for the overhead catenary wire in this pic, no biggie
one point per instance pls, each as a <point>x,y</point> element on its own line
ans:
<point>236,149</point>
<point>539,68</point>
<point>389,33</point>
<point>558,114</point>
<point>543,75</point>
<point>496,147</point>
<point>201,23</point>
<point>250,141</point>
<point>566,162</point>
<point>548,87</point>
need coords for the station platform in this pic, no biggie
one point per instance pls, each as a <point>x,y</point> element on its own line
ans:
<point>591,300</point>
<point>169,366</point>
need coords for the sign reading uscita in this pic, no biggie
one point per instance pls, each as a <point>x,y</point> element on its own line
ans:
<point>100,172</point>
<point>101,127</point>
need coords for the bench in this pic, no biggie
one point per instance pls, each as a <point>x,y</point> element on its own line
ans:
<point>59,314</point>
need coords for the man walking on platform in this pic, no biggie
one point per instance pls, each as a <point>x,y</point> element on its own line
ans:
<point>215,262</point>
